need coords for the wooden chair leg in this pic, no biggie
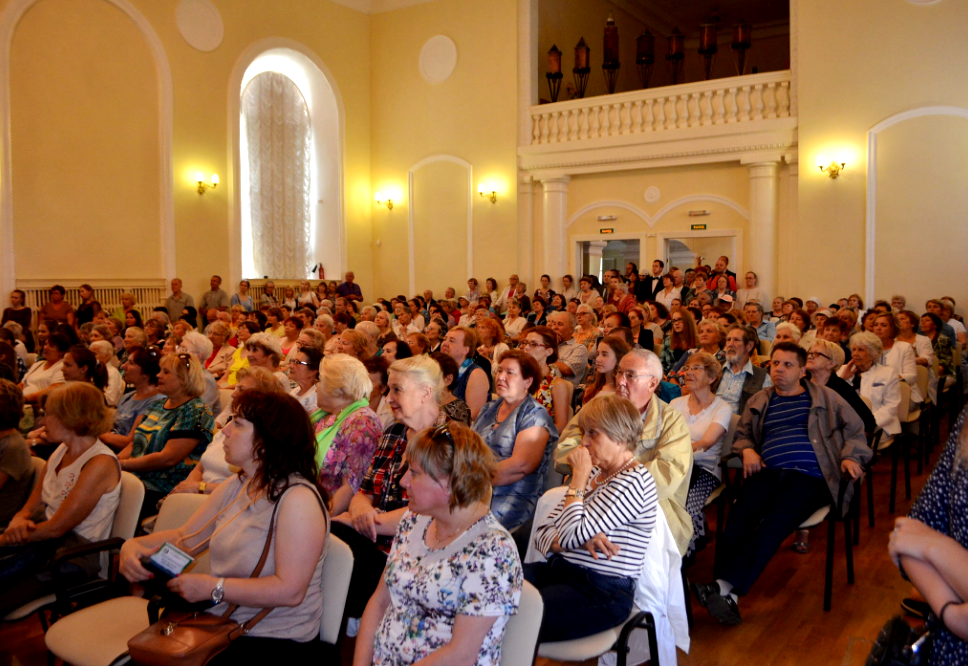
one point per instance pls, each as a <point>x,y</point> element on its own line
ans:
<point>828,583</point>
<point>870,496</point>
<point>685,591</point>
<point>906,452</point>
<point>849,552</point>
<point>894,457</point>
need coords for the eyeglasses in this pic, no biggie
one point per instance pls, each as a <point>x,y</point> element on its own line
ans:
<point>631,376</point>
<point>443,430</point>
<point>813,354</point>
<point>675,319</point>
<point>187,358</point>
<point>527,344</point>
<point>306,363</point>
<point>694,368</point>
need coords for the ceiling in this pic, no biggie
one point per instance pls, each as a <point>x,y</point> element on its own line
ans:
<point>664,15</point>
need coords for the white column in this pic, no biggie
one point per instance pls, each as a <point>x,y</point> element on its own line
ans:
<point>525,228</point>
<point>595,250</point>
<point>554,216</point>
<point>763,223</point>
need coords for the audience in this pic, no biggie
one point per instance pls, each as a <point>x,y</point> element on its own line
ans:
<point>16,470</point>
<point>874,381</point>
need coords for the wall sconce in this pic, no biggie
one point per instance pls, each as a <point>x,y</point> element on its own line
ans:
<point>832,169</point>
<point>381,201</point>
<point>490,196</point>
<point>202,185</point>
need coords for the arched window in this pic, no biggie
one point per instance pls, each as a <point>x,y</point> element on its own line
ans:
<point>277,178</point>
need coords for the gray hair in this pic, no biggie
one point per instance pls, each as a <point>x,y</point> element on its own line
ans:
<point>219,328</point>
<point>615,417</point>
<point>325,319</point>
<point>755,304</point>
<point>369,329</point>
<point>584,308</point>
<point>652,362</point>
<point>870,342</point>
<point>100,347</point>
<point>899,297</point>
<point>368,309</point>
<point>422,371</point>
<point>202,345</point>
<point>17,329</point>
<point>572,319</point>
<point>794,331</point>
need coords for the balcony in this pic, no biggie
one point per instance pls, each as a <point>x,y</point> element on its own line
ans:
<point>718,120</point>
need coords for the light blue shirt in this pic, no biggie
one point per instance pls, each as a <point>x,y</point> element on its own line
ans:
<point>731,385</point>
<point>766,331</point>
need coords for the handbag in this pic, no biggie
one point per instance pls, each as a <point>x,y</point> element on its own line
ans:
<point>899,644</point>
<point>192,638</point>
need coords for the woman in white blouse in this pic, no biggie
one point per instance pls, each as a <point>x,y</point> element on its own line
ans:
<point>514,322</point>
<point>669,291</point>
<point>898,355</point>
<point>304,370</point>
<point>596,538</point>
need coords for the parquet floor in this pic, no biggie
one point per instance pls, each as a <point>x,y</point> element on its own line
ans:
<point>783,618</point>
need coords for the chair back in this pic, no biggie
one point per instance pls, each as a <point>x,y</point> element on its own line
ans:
<point>867,401</point>
<point>335,581</point>
<point>129,506</point>
<point>957,354</point>
<point>922,381</point>
<point>521,633</point>
<point>177,509</point>
<point>905,406</point>
<point>765,346</point>
<point>657,348</point>
<point>730,435</point>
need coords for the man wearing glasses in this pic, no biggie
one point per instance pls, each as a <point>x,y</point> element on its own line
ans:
<point>797,440</point>
<point>665,447</point>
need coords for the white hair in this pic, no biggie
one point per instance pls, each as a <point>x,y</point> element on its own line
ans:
<point>201,345</point>
<point>103,350</point>
<point>870,342</point>
<point>343,375</point>
<point>652,362</point>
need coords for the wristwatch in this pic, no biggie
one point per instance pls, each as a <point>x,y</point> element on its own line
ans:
<point>219,592</point>
<point>201,487</point>
<point>575,492</point>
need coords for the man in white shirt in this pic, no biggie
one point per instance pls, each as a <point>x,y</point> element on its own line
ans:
<point>403,324</point>
<point>572,357</point>
<point>741,379</point>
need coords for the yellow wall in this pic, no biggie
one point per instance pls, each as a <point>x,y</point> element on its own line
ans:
<point>440,239</point>
<point>859,63</point>
<point>471,115</point>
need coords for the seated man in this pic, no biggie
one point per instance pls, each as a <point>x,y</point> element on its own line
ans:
<point>765,330</point>
<point>796,439</point>
<point>741,379</point>
<point>665,447</point>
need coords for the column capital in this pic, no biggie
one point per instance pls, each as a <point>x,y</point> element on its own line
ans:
<point>556,183</point>
<point>763,169</point>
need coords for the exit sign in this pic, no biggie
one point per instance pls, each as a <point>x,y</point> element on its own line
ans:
<point>698,227</point>
<point>609,230</point>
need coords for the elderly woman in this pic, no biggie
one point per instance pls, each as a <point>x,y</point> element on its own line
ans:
<point>353,343</point>
<point>898,355</point>
<point>712,339</point>
<point>930,547</point>
<point>454,578</point>
<point>172,434</point>
<point>521,434</point>
<point>134,338</point>
<point>304,371</point>
<point>538,315</point>
<point>141,371</point>
<point>240,358</point>
<point>212,468</point>
<point>46,374</point>
<point>78,495</point>
<point>270,441</point>
<point>824,359</point>
<point>418,344</point>
<point>264,351</point>
<point>155,333</point>
<point>683,337</point>
<point>878,383</point>
<point>785,332</point>
<point>347,430</point>
<point>610,352</point>
<point>455,408</point>
<point>394,349</point>
<point>553,392</point>
<point>492,347</point>
<point>587,332</point>
<point>223,353</point>
<point>514,323</point>
<point>707,417</point>
<point>414,391</point>
<point>104,353</point>
<point>608,510</point>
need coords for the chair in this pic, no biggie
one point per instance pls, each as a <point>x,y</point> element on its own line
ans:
<point>616,638</point>
<point>765,346</point>
<point>833,513</point>
<point>720,496</point>
<point>520,644</point>
<point>901,450</point>
<point>125,522</point>
<point>335,582</point>
<point>31,359</point>
<point>917,416</point>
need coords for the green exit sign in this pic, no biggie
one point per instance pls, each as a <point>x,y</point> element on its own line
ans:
<point>698,227</point>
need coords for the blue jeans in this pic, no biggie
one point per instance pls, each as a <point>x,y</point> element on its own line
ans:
<point>578,602</point>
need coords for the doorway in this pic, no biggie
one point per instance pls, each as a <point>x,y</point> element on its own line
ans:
<point>598,256</point>
<point>684,250</point>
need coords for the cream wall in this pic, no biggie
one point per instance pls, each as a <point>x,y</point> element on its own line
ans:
<point>471,115</point>
<point>860,63</point>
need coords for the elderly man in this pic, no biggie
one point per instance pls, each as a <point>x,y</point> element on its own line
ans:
<point>572,357</point>
<point>403,324</point>
<point>178,300</point>
<point>501,305</point>
<point>450,293</point>
<point>765,330</point>
<point>741,379</point>
<point>898,302</point>
<point>201,347</point>
<point>349,289</point>
<point>665,447</point>
<point>878,383</point>
<point>621,298</point>
<point>797,439</point>
<point>268,297</point>
<point>471,384</point>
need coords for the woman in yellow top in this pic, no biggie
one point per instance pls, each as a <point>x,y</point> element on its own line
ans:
<point>239,358</point>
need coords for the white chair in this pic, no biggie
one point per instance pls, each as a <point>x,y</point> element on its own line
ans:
<point>335,582</point>
<point>519,646</point>
<point>125,522</point>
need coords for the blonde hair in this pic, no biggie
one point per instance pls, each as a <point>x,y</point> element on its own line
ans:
<point>455,453</point>
<point>265,379</point>
<point>188,370</point>
<point>795,332</point>
<point>422,371</point>
<point>471,340</point>
<point>834,351</point>
<point>80,408</point>
<point>267,344</point>
<point>616,417</point>
<point>344,376</point>
<point>317,337</point>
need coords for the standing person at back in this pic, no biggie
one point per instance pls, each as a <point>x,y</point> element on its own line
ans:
<point>349,289</point>
<point>215,298</point>
<point>652,284</point>
<point>722,268</point>
<point>178,301</point>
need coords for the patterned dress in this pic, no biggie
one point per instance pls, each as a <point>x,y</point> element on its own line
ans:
<point>543,394</point>
<point>352,449</point>
<point>193,420</point>
<point>943,506</point>
<point>479,574</point>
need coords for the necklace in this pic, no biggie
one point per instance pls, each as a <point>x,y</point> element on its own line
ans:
<point>438,540</point>
<point>631,462</point>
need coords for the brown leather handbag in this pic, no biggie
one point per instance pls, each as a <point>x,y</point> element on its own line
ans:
<point>186,638</point>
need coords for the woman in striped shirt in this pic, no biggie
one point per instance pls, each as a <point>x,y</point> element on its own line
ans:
<point>596,538</point>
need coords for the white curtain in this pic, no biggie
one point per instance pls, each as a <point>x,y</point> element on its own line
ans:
<point>276,123</point>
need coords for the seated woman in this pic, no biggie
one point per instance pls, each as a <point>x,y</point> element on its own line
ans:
<point>418,343</point>
<point>930,547</point>
<point>16,468</point>
<point>240,358</point>
<point>347,430</point>
<point>304,371</point>
<point>212,468</point>
<point>943,350</point>
<point>134,338</point>
<point>521,434</point>
<point>271,442</point>
<point>898,355</point>
<point>538,315</point>
<point>785,332</point>
<point>291,328</point>
<point>639,323</point>
<point>77,497</point>
<point>81,365</point>
<point>611,350</point>
<point>878,383</point>
<point>141,370</point>
<point>455,408</point>
<point>707,416</point>
<point>353,343</point>
<point>712,339</point>
<point>172,434</point>
<point>264,351</point>
<point>514,322</point>
<point>454,578</point>
<point>377,369</point>
<point>394,349</point>
<point>682,338</point>
<point>824,359</point>
<point>596,538</point>
<point>222,353</point>
<point>492,345</point>
<point>104,352</point>
<point>553,392</point>
<point>46,374</point>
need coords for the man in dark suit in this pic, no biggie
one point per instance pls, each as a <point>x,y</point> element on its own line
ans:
<point>651,285</point>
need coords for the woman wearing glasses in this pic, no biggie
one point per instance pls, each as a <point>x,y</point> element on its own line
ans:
<point>173,434</point>
<point>553,392</point>
<point>823,361</point>
<point>454,577</point>
<point>304,370</point>
<point>521,434</point>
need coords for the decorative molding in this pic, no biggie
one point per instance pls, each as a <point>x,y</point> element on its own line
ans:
<point>437,60</point>
<point>200,24</point>
<point>794,57</point>
<point>410,210</point>
<point>871,222</point>
<point>651,194</point>
<point>234,147</point>
<point>652,220</point>
<point>379,6</point>
<point>9,20</point>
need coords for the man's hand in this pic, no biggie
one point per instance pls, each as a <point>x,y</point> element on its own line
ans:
<point>752,463</point>
<point>600,544</point>
<point>852,468</point>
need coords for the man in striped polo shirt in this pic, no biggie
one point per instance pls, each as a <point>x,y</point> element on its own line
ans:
<point>796,439</point>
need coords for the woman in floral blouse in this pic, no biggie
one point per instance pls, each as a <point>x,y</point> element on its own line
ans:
<point>453,578</point>
<point>347,430</point>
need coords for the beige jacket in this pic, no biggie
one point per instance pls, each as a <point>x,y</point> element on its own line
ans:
<point>666,449</point>
<point>222,361</point>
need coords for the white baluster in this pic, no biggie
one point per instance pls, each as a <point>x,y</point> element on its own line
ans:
<point>606,120</point>
<point>544,128</point>
<point>783,100</point>
<point>769,94</point>
<point>706,108</point>
<point>626,115</point>
<point>596,128</point>
<point>535,129</point>
<point>756,101</point>
<point>573,125</point>
<point>637,117</point>
<point>718,105</point>
<point>582,124</point>
<point>744,104</point>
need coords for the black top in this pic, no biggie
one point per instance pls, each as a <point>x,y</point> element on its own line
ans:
<point>847,392</point>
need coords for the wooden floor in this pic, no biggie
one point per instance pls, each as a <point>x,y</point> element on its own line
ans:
<point>783,618</point>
